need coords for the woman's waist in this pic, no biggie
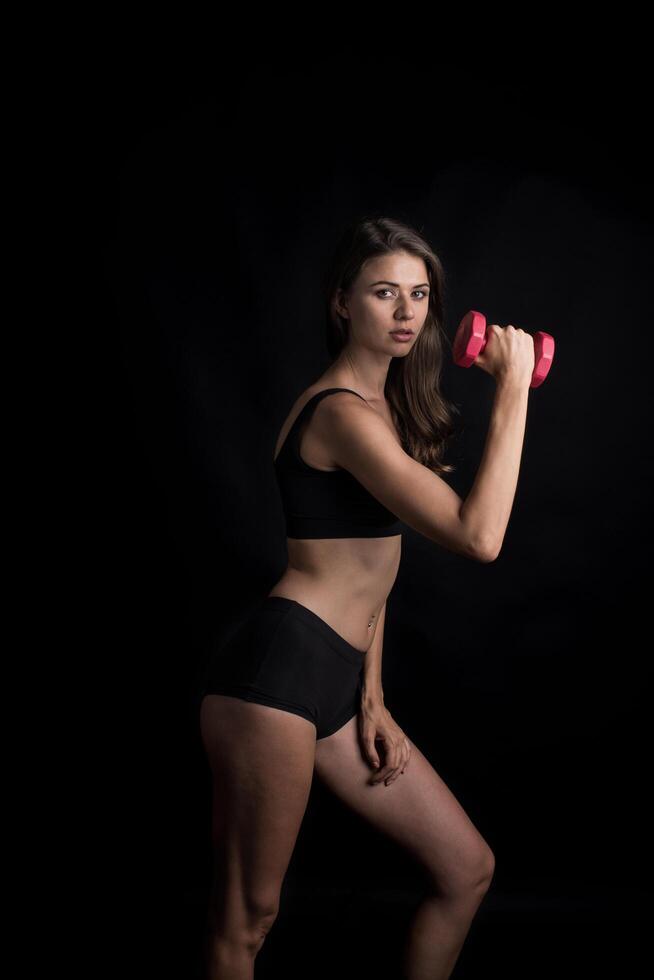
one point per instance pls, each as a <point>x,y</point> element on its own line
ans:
<point>353,611</point>
<point>366,564</point>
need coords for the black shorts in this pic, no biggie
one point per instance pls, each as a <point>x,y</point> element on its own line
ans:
<point>286,656</point>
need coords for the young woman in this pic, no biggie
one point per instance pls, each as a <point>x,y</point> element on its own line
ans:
<point>298,688</point>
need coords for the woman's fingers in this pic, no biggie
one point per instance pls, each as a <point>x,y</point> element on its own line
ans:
<point>382,774</point>
<point>397,757</point>
<point>405,756</point>
<point>394,775</point>
<point>371,751</point>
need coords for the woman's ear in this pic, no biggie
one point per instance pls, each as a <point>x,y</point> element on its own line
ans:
<point>339,305</point>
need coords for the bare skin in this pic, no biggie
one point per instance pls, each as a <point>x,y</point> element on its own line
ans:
<point>263,759</point>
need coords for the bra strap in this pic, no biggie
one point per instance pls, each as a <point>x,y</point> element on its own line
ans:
<point>320,395</point>
<point>292,432</point>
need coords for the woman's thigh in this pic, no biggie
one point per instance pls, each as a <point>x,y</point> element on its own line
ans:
<point>417,810</point>
<point>261,761</point>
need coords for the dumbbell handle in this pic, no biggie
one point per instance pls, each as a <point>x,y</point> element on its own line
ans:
<point>471,339</point>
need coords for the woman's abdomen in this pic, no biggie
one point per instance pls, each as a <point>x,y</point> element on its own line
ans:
<point>342,582</point>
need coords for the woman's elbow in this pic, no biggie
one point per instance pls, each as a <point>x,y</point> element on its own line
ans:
<point>477,551</point>
<point>488,552</point>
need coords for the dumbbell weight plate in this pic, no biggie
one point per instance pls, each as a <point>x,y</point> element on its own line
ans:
<point>470,338</point>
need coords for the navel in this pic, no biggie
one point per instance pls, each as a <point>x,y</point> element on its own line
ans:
<point>372,619</point>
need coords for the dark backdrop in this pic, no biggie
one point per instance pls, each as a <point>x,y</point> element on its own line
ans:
<point>523,681</point>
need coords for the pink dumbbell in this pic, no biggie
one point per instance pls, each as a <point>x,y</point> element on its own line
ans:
<point>470,341</point>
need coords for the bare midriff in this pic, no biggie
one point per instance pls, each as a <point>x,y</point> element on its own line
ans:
<point>345,581</point>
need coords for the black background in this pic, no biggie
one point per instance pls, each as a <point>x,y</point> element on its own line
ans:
<point>524,681</point>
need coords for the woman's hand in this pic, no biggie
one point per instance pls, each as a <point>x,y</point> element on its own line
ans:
<point>509,355</point>
<point>377,725</point>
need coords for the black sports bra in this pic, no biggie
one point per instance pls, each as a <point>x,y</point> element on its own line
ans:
<point>326,503</point>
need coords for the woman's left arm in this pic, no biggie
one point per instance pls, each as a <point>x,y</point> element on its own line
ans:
<point>375,721</point>
<point>372,670</point>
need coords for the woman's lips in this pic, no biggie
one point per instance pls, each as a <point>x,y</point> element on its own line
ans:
<point>402,336</point>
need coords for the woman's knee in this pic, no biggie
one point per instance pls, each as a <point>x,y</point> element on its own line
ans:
<point>260,924</point>
<point>244,923</point>
<point>470,877</point>
<point>486,868</point>
<point>233,943</point>
<point>263,908</point>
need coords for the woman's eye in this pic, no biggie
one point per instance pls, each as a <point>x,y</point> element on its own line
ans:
<point>424,293</point>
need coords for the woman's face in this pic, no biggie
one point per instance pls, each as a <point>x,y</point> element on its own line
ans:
<point>390,293</point>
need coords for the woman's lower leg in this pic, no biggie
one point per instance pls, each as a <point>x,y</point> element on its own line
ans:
<point>437,933</point>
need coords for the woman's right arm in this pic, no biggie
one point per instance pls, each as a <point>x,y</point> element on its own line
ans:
<point>509,358</point>
<point>487,508</point>
<point>361,442</point>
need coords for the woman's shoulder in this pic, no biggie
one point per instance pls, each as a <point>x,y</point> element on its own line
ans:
<point>319,386</point>
<point>355,399</point>
<point>298,406</point>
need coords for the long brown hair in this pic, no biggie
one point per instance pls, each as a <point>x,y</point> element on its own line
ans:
<point>424,418</point>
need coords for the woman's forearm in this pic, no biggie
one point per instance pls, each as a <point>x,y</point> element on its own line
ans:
<point>487,508</point>
<point>372,667</point>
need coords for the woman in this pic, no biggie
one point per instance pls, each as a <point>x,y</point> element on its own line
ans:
<point>299,686</point>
